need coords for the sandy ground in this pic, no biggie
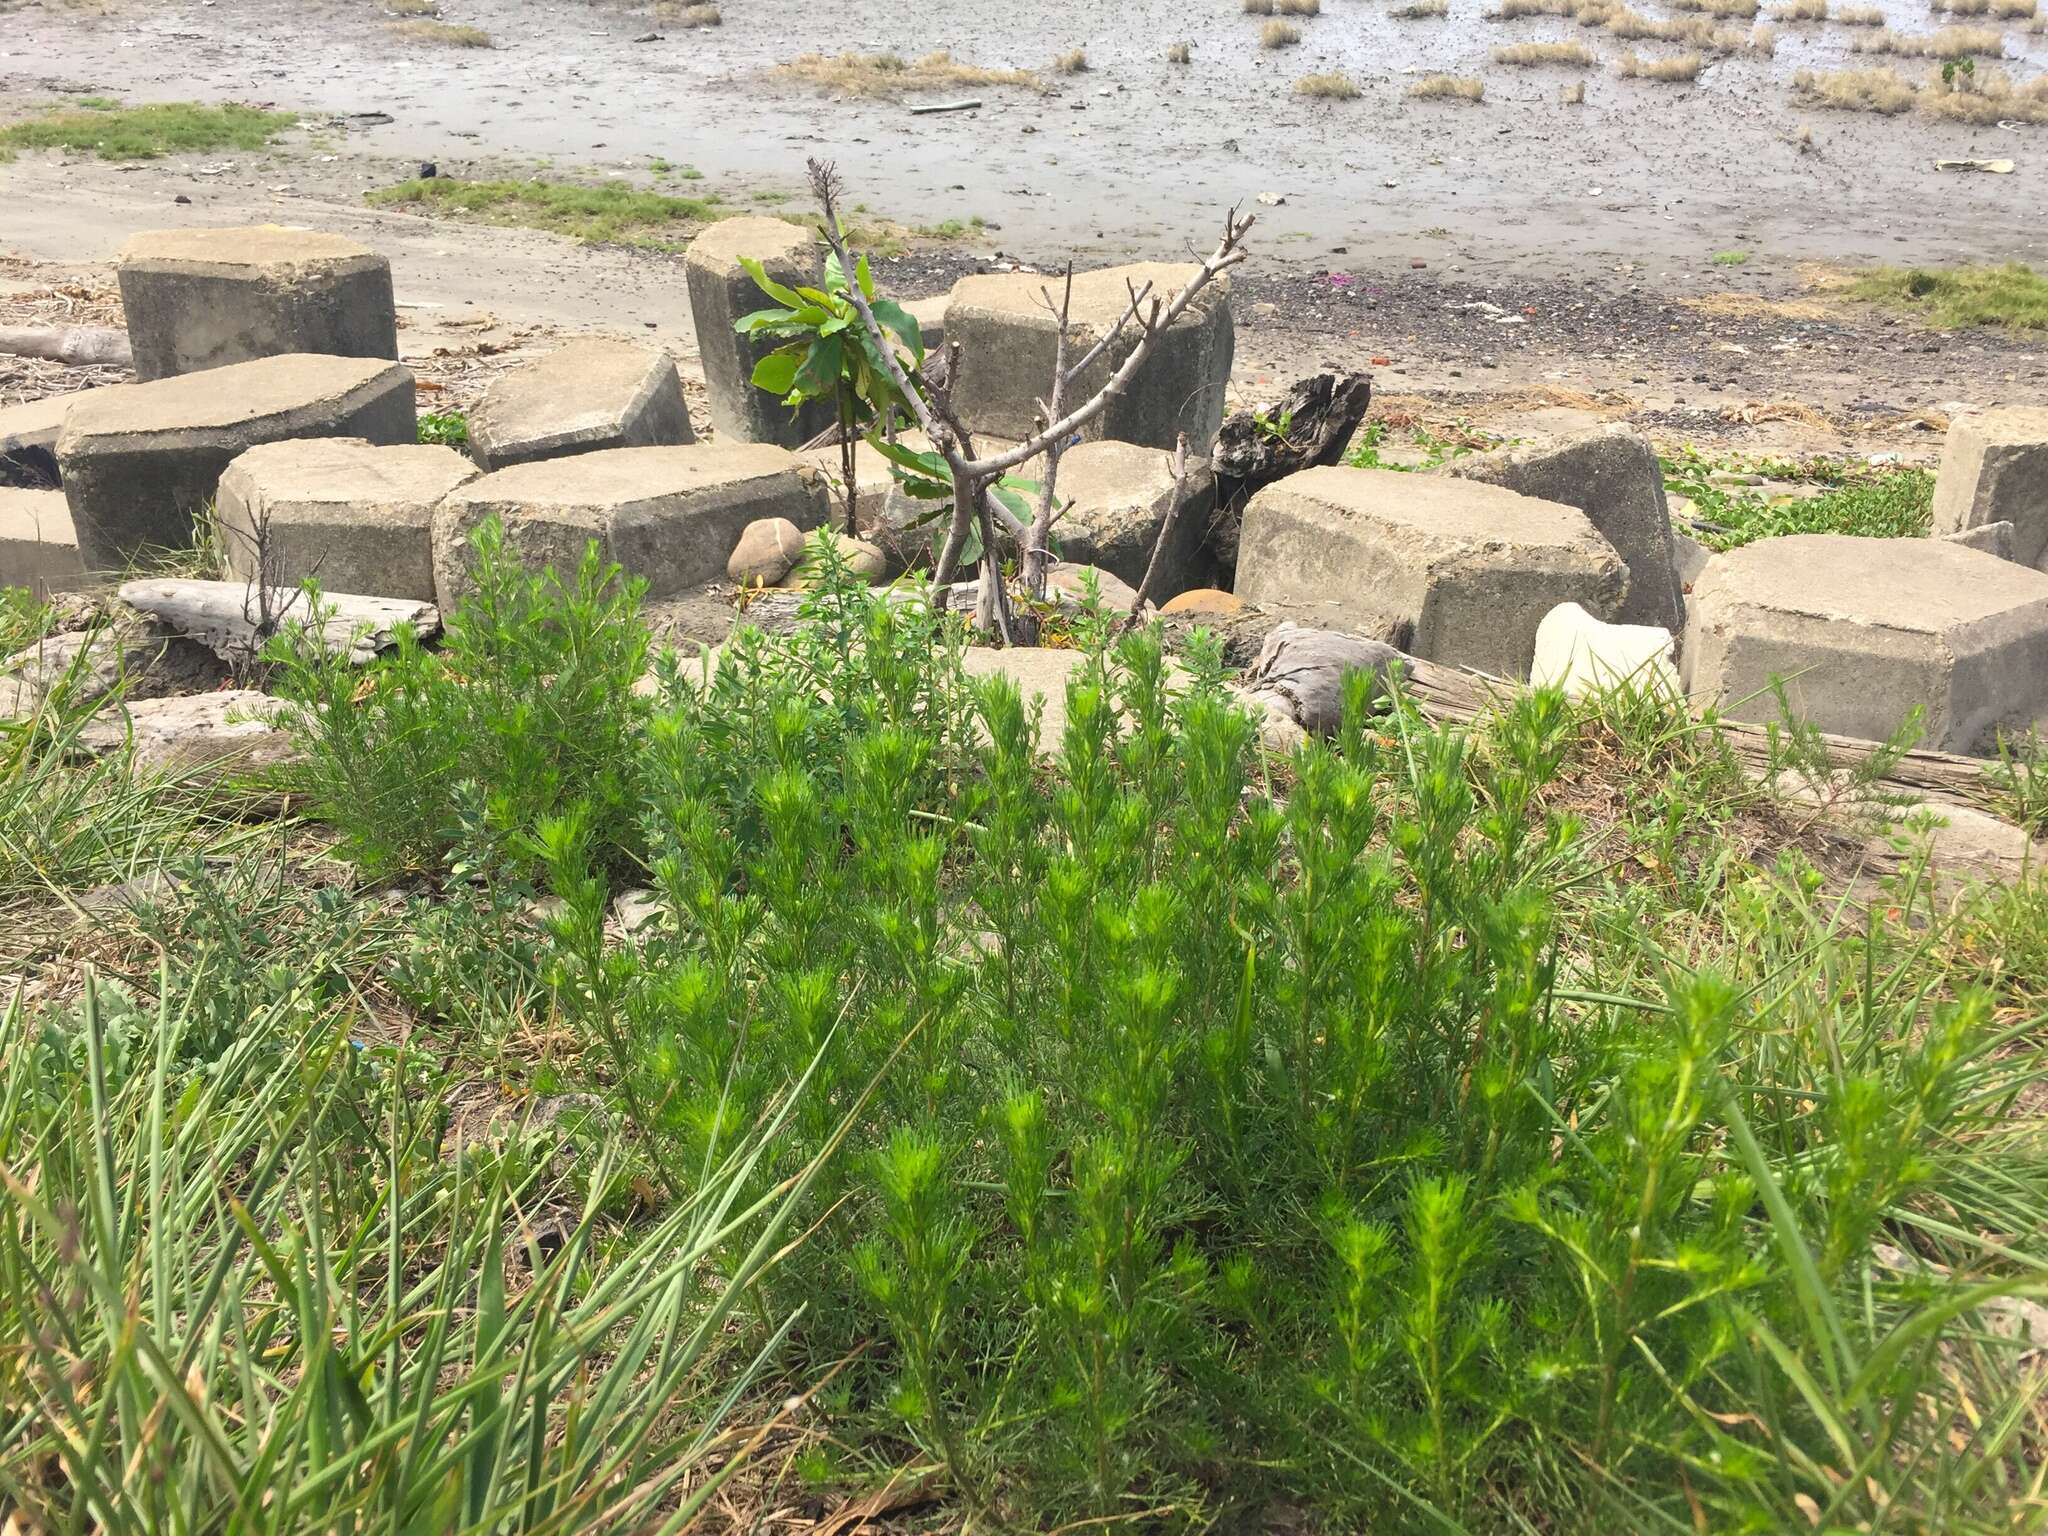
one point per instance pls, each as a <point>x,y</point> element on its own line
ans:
<point>1532,266</point>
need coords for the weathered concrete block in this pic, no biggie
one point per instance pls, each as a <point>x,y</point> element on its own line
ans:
<point>1007,341</point>
<point>668,515</point>
<point>28,441</point>
<point>1994,469</point>
<point>140,460</point>
<point>346,513</point>
<point>1861,630</point>
<point>720,293</point>
<point>1121,495</point>
<point>38,547</point>
<point>594,392</point>
<point>205,298</point>
<point>1612,476</point>
<point>1582,655</point>
<point>1457,571</point>
<point>1991,538</point>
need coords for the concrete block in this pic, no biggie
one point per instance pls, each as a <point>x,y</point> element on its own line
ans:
<point>1007,341</point>
<point>1861,630</point>
<point>140,461</point>
<point>722,292</point>
<point>1582,655</point>
<point>38,547</point>
<point>349,514</point>
<point>1456,571</point>
<point>591,393</point>
<point>1121,495</point>
<point>1612,475</point>
<point>28,441</point>
<point>1992,538</point>
<point>1994,469</point>
<point>668,515</point>
<point>205,298</point>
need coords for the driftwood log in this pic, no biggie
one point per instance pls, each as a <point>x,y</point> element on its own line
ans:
<point>76,346</point>
<point>226,616</point>
<point>1313,425</point>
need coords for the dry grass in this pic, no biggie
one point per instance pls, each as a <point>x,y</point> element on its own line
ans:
<point>1948,43</point>
<point>1985,98</point>
<point>1073,62</point>
<point>441,34</point>
<point>1800,10</point>
<point>673,13</point>
<point>1180,53</point>
<point>412,7</point>
<point>1421,10</point>
<point>1512,10</point>
<point>1259,7</point>
<point>1860,16</point>
<point>1449,88</point>
<point>1856,90</point>
<point>1575,94</point>
<point>1279,34</point>
<point>1578,55</point>
<point>1329,87</point>
<point>890,74</point>
<point>2001,10</point>
<point>1298,7</point>
<point>1675,70</point>
<point>1725,10</point>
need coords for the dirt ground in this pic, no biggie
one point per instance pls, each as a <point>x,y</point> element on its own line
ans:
<point>1519,265</point>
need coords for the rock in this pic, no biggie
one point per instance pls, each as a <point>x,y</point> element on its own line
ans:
<point>234,731</point>
<point>38,546</point>
<point>1459,571</point>
<point>1304,669</point>
<point>930,315</point>
<point>863,558</point>
<point>140,460</point>
<point>668,515</point>
<point>1204,600</point>
<point>721,292</point>
<point>205,298</point>
<point>97,660</point>
<point>1689,559</point>
<point>1992,538</point>
<point>1118,497</point>
<point>1582,655</point>
<point>1994,469</point>
<point>767,551</point>
<point>1007,342</point>
<point>590,393</point>
<point>1612,476</point>
<point>872,485</point>
<point>635,911</point>
<point>352,515</point>
<point>1863,629</point>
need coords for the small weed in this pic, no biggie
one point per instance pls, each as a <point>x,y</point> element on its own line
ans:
<point>952,229</point>
<point>1729,258</point>
<point>1800,10</point>
<point>1421,10</point>
<point>1860,16</point>
<point>1725,10</point>
<point>446,429</point>
<point>1333,86</point>
<point>678,15</point>
<point>2020,779</point>
<point>147,133</point>
<point>1279,34</point>
<point>1954,298</point>
<point>1259,7</point>
<point>412,7</point>
<point>1073,62</point>
<point>1576,55</point>
<point>1298,7</point>
<point>441,34</point>
<point>609,213</point>
<point>1870,503</point>
<point>1574,94</point>
<point>1449,88</point>
<point>1514,10</point>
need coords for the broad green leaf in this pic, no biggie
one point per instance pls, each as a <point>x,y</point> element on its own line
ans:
<point>760,319</point>
<point>867,278</point>
<point>819,374</point>
<point>768,285</point>
<point>895,317</point>
<point>776,372</point>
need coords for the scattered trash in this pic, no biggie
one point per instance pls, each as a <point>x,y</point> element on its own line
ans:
<point>216,168</point>
<point>1272,199</point>
<point>1995,167</point>
<point>952,106</point>
<point>429,170</point>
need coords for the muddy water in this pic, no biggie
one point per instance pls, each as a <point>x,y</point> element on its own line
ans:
<point>1136,154</point>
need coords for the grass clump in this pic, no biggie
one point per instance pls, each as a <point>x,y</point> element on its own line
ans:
<point>1676,69</point>
<point>1869,503</point>
<point>1298,7</point>
<point>1726,10</point>
<point>890,74</point>
<point>441,34</point>
<point>1985,97</point>
<point>1448,88</point>
<point>1729,258</point>
<point>678,15</point>
<point>1860,16</point>
<point>1878,90</point>
<point>609,213</point>
<point>1574,94</point>
<point>1954,298</point>
<point>1421,10</point>
<point>1333,86</point>
<point>1576,55</point>
<point>1073,62</point>
<point>1279,34</point>
<point>1180,53</point>
<point>2003,10</point>
<point>1947,43</point>
<point>1514,10</point>
<point>412,7</point>
<point>1259,7</point>
<point>148,133</point>
<point>1800,10</point>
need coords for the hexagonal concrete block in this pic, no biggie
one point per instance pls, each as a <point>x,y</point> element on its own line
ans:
<point>1994,469</point>
<point>1121,495</point>
<point>1007,342</point>
<point>594,392</point>
<point>38,546</point>
<point>1458,571</point>
<point>205,298</point>
<point>1612,475</point>
<point>1861,630</point>
<point>668,515</point>
<point>722,292</point>
<point>351,515</point>
<point>139,461</point>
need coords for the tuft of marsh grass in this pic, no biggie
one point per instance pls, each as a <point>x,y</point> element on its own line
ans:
<point>1421,10</point>
<point>1279,34</point>
<point>1298,7</point>
<point>1984,97</point>
<point>1259,7</point>
<point>1515,10</point>
<point>412,7</point>
<point>678,13</point>
<point>145,133</point>
<point>440,34</point>
<point>607,213</point>
<point>1072,62</point>
<point>2013,296</point>
<point>1859,16</point>
<point>1729,258</point>
<point>1577,55</point>
<point>1574,95</point>
<point>1948,43</point>
<point>1333,86</point>
<point>1725,10</point>
<point>1180,53</point>
<point>1800,10</point>
<point>1449,88</point>
<point>2002,10</point>
<point>1878,90</point>
<point>1673,70</point>
<point>890,74</point>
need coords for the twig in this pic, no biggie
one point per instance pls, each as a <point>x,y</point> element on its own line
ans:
<point>1180,487</point>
